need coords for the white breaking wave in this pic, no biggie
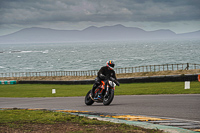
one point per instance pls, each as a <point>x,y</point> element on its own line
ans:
<point>46,51</point>
<point>18,51</point>
<point>2,67</point>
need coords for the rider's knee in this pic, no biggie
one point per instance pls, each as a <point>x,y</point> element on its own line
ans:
<point>97,81</point>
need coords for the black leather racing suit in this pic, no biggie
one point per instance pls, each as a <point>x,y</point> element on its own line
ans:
<point>102,74</point>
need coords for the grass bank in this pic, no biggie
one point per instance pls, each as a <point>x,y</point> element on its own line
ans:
<point>122,75</point>
<point>45,90</point>
<point>48,121</point>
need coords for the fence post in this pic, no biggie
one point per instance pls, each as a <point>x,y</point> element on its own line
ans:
<point>187,68</point>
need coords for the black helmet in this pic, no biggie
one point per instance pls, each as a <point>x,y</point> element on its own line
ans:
<point>110,64</point>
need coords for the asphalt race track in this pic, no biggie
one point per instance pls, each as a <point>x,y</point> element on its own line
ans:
<point>184,106</point>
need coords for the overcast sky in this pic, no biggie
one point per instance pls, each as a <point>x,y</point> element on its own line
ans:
<point>179,16</point>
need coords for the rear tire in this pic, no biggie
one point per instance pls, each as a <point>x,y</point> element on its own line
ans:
<point>107,100</point>
<point>88,100</point>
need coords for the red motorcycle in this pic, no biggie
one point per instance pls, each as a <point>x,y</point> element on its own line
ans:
<point>104,93</point>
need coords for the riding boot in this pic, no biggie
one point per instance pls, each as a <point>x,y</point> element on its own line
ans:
<point>96,84</point>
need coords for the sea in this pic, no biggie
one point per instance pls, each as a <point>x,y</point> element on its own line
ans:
<point>81,56</point>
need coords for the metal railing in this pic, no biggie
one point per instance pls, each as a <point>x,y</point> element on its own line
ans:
<point>148,68</point>
<point>157,68</point>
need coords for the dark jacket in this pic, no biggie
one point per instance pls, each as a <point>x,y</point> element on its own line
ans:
<point>106,72</point>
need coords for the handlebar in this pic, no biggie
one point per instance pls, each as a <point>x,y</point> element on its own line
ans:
<point>115,81</point>
<point>109,78</point>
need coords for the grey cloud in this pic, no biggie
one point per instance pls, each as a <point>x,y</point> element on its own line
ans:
<point>40,11</point>
<point>165,11</point>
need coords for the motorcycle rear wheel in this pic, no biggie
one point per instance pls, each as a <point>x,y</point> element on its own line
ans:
<point>108,99</point>
<point>88,100</point>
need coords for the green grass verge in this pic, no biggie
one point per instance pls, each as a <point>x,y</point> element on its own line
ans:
<point>45,90</point>
<point>41,117</point>
<point>29,120</point>
<point>158,88</point>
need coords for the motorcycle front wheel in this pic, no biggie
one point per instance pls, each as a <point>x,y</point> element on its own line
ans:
<point>88,100</point>
<point>108,99</point>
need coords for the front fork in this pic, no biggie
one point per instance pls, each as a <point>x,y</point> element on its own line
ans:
<point>107,91</point>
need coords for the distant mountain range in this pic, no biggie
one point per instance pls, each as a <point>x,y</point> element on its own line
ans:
<point>106,33</point>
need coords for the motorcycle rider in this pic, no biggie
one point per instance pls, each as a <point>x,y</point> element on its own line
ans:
<point>105,72</point>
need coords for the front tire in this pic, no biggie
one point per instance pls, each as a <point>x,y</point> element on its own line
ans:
<point>88,100</point>
<point>108,99</point>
